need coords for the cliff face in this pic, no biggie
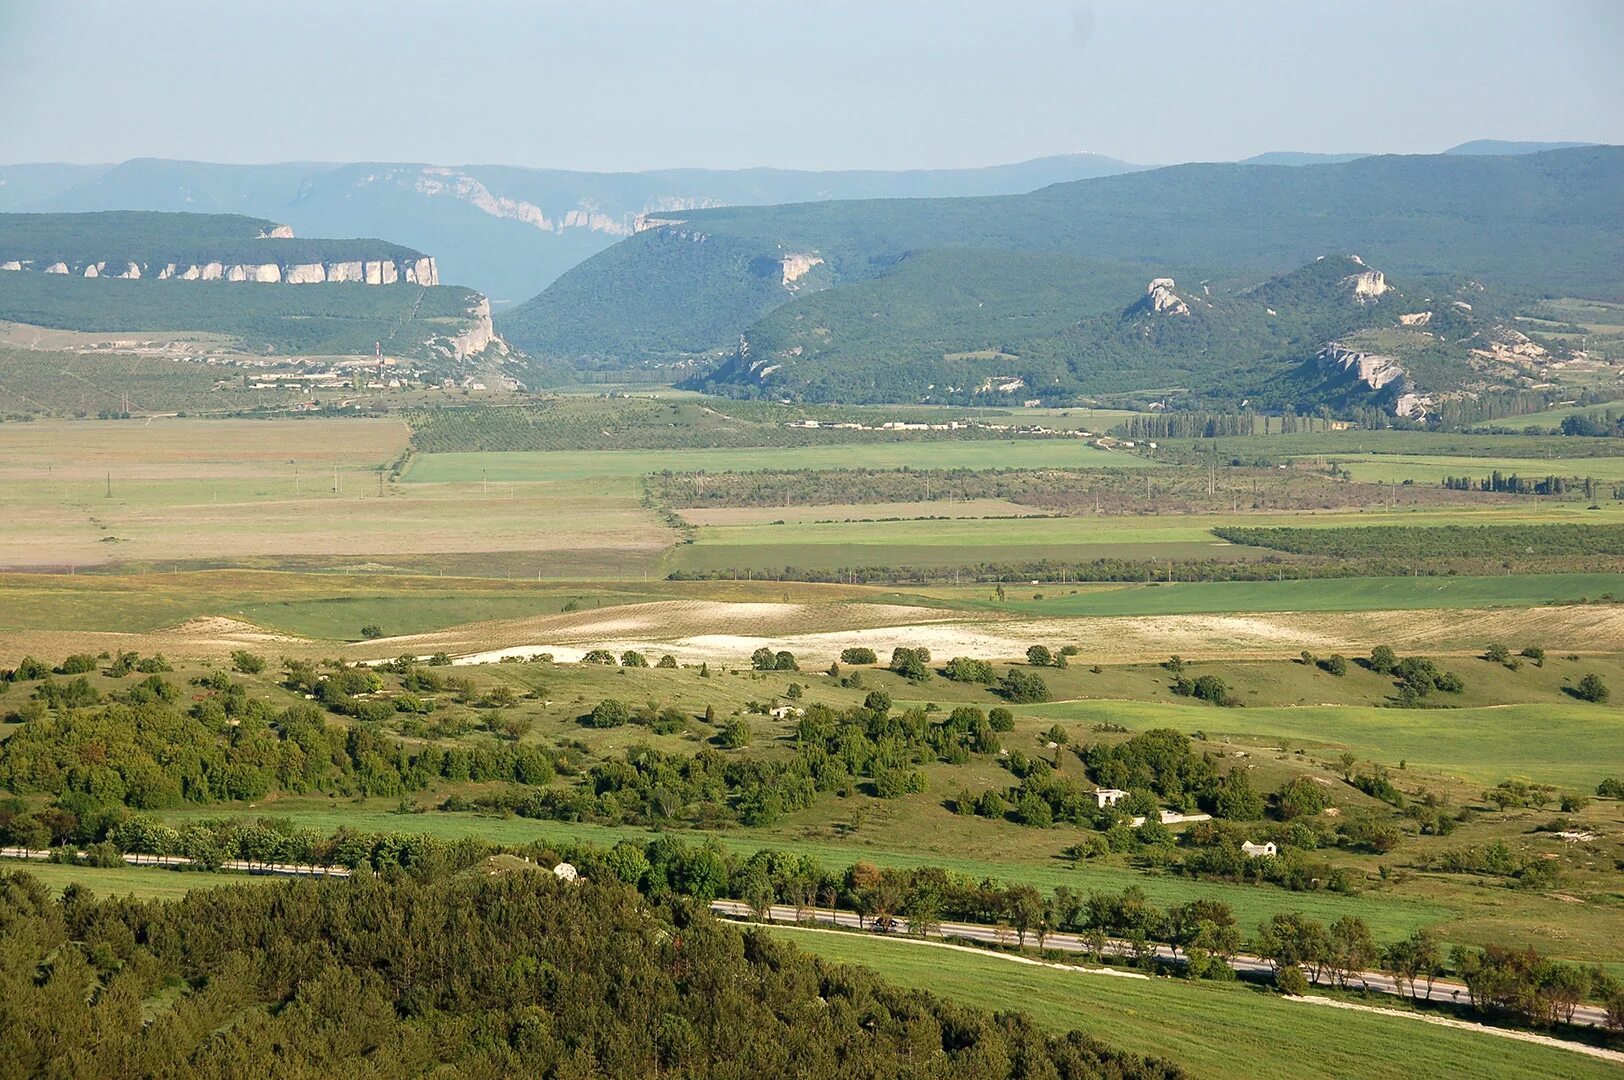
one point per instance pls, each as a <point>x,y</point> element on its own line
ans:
<point>1382,374</point>
<point>369,271</point>
<point>479,336</point>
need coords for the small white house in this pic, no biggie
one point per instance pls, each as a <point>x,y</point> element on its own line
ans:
<point>1109,796</point>
<point>1259,851</point>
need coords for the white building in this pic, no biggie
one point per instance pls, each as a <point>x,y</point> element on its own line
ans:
<point>1259,851</point>
<point>1109,796</point>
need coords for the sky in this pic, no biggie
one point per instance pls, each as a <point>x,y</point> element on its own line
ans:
<point>818,84</point>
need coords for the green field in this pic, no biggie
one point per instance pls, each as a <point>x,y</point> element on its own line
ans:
<point>1321,594</point>
<point>1390,916</point>
<point>142,882</point>
<point>1211,1029</point>
<point>1165,538</point>
<point>939,453</point>
<point>1432,469</point>
<point>1575,744</point>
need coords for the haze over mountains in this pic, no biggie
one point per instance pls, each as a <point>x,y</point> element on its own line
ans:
<point>508,231</point>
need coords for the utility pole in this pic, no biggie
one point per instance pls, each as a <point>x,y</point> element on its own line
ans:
<point>109,483</point>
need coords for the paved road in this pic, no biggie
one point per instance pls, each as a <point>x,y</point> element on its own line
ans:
<point>241,865</point>
<point>1374,981</point>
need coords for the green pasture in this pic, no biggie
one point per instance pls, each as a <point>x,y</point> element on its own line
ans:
<point>1317,594</point>
<point>1551,419</point>
<point>1212,1029</point>
<point>1574,744</point>
<point>1433,468</point>
<point>548,465</point>
<point>911,844</point>
<point>141,882</point>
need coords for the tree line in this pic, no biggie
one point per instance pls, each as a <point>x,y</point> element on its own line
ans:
<point>502,972</point>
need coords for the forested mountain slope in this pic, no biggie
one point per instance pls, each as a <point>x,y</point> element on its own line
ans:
<point>911,282</point>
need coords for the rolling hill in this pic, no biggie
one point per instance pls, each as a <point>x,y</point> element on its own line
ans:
<point>870,299</point>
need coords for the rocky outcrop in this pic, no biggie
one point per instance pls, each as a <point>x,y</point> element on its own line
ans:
<point>1366,286</point>
<point>797,267</point>
<point>1162,300</point>
<point>478,337</point>
<point>1415,318</point>
<point>420,271</point>
<point>1380,374</point>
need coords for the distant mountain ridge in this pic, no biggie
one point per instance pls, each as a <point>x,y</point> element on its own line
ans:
<point>510,231</point>
<point>505,230</point>
<point>903,299</point>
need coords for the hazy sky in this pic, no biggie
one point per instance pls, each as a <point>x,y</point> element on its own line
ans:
<point>629,84</point>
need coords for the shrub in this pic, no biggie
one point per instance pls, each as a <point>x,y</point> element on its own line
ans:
<point>1383,660</point>
<point>1209,688</point>
<point>1001,719</point>
<point>1023,688</point>
<point>667,661</point>
<point>1301,798</point>
<point>785,661</point>
<point>371,631</point>
<point>1291,980</point>
<point>599,656</point>
<point>632,658</point>
<point>1497,653</point>
<point>1592,688</point>
<point>77,664</point>
<point>735,734</point>
<point>1534,653</point>
<point>1611,788</point>
<point>246,662</point>
<point>1335,664</point>
<point>1039,656</point>
<point>965,669</point>
<point>609,713</point>
<point>27,670</point>
<point>911,664</point>
<point>858,655</point>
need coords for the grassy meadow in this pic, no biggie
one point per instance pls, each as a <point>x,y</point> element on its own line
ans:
<point>1210,1029</point>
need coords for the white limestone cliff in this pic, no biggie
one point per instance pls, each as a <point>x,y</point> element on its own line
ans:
<point>1366,286</point>
<point>1161,298</point>
<point>1379,373</point>
<point>479,336</point>
<point>797,267</point>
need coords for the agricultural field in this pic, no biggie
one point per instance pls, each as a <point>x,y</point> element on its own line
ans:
<point>1434,468</point>
<point>1206,1028</point>
<point>554,465</point>
<point>630,531</point>
<point>289,493</point>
